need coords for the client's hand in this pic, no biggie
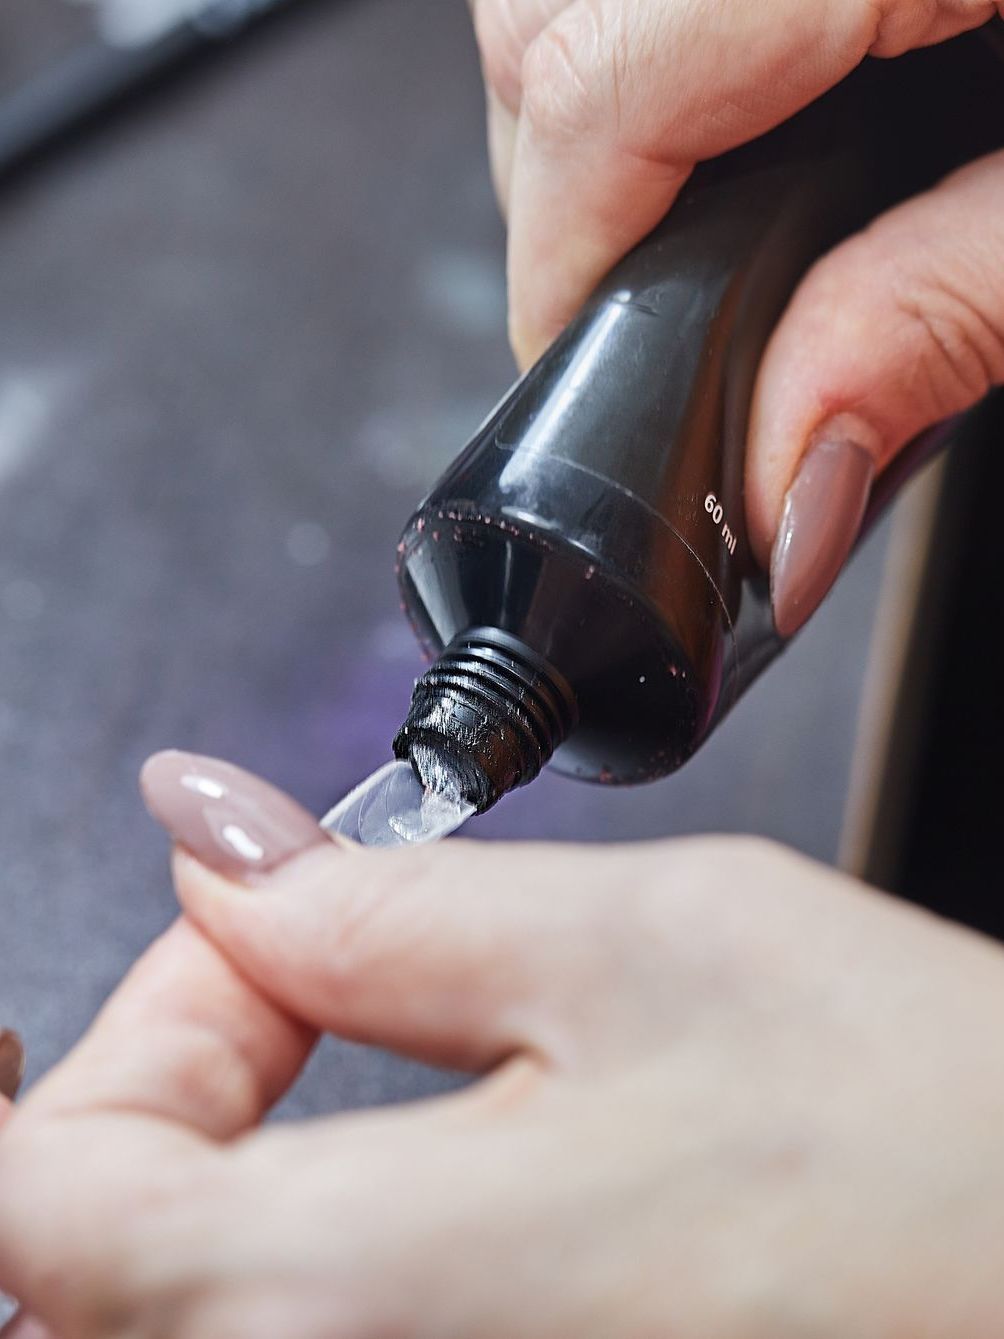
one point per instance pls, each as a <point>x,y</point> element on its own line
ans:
<point>725,1094</point>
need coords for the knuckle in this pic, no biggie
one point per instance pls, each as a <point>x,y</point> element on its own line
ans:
<point>897,26</point>
<point>942,317</point>
<point>844,279</point>
<point>371,926</point>
<point>212,1077</point>
<point>563,73</point>
<point>961,345</point>
<point>358,939</point>
<point>502,36</point>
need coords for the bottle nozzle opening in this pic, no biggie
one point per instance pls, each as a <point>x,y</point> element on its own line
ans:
<point>485,718</point>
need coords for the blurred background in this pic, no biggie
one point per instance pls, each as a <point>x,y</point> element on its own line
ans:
<point>245,320</point>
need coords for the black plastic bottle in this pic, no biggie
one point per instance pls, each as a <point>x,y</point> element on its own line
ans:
<point>581,574</point>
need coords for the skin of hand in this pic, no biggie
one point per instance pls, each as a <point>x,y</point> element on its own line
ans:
<point>598,112</point>
<point>724,1093</point>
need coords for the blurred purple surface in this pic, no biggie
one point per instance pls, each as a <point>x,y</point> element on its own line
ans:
<point>242,330</point>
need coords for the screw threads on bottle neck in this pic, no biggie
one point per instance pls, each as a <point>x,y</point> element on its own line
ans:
<point>485,718</point>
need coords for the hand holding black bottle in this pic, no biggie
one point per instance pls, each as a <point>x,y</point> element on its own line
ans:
<point>581,574</point>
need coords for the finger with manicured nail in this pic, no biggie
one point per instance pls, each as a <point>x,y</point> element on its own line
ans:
<point>896,330</point>
<point>228,818</point>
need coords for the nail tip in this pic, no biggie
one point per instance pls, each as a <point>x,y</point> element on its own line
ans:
<point>820,522</point>
<point>791,609</point>
<point>787,624</point>
<point>156,764</point>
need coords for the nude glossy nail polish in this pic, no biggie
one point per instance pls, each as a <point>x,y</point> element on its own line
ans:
<point>231,820</point>
<point>822,516</point>
<point>11,1063</point>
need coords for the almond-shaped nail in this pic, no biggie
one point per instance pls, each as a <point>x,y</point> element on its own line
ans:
<point>229,819</point>
<point>11,1063</point>
<point>823,511</point>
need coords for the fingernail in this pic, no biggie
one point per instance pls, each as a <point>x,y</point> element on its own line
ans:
<point>229,819</point>
<point>823,511</point>
<point>11,1064</point>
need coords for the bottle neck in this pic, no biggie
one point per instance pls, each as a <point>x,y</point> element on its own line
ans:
<point>485,718</point>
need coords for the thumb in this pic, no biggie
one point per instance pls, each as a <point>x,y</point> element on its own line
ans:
<point>894,331</point>
<point>453,954</point>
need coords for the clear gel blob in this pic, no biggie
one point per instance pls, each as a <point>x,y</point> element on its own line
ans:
<point>393,808</point>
